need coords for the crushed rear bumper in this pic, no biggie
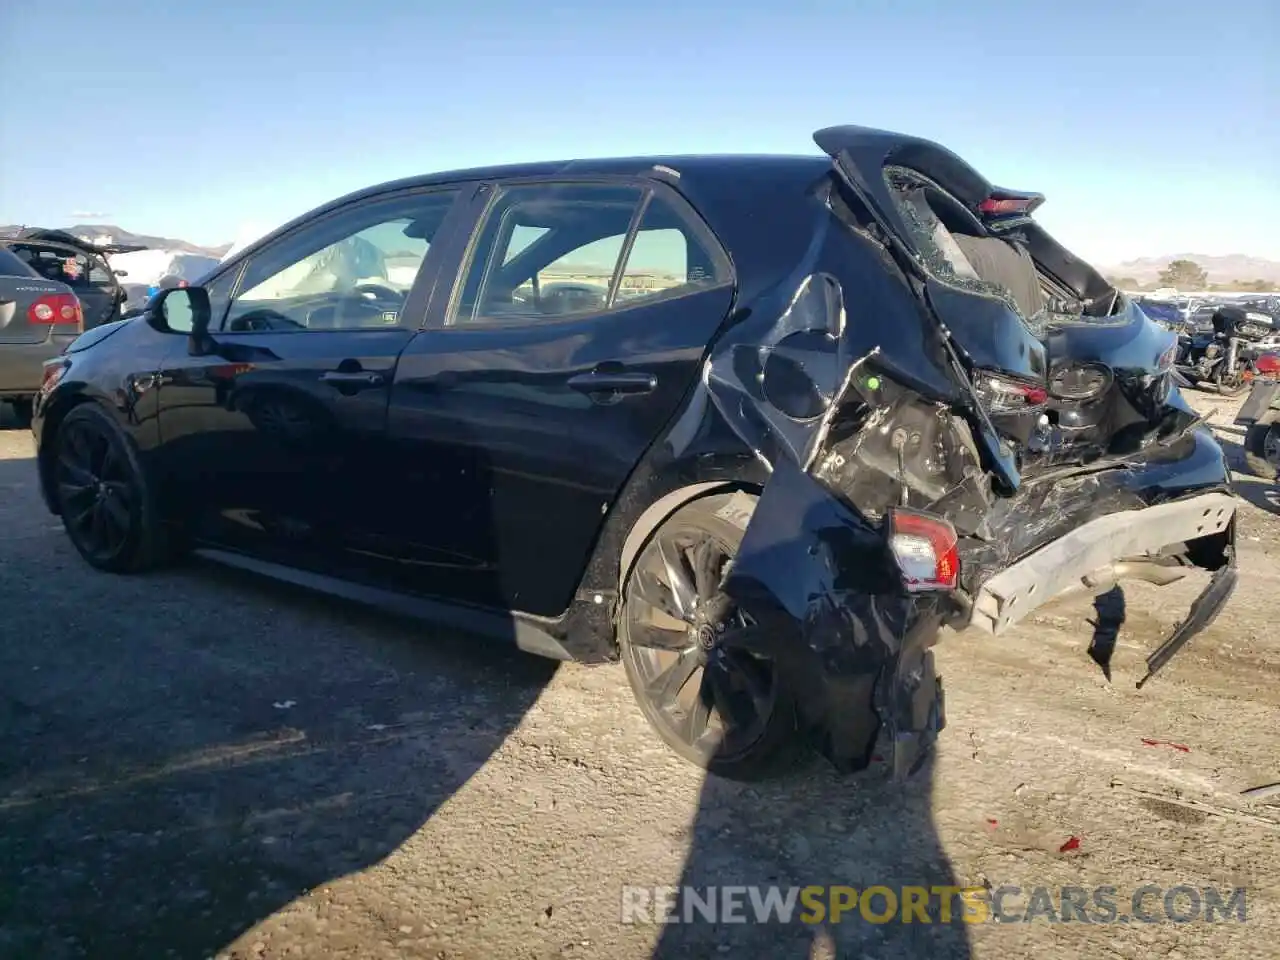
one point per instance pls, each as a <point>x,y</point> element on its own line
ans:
<point>1081,556</point>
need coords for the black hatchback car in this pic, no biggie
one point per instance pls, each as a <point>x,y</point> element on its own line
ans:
<point>759,427</point>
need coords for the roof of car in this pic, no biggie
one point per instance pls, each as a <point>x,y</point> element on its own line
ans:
<point>654,165</point>
<point>669,168</point>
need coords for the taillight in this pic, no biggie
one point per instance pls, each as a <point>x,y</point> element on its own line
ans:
<point>925,548</point>
<point>1268,363</point>
<point>56,308</point>
<point>1008,204</point>
<point>1001,394</point>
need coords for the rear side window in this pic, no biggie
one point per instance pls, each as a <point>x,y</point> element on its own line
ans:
<point>12,266</point>
<point>548,251</point>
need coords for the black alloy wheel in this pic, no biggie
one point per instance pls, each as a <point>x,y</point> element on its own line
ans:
<point>712,700</point>
<point>102,493</point>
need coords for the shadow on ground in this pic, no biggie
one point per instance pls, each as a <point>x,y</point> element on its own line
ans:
<point>1263,494</point>
<point>185,753</point>
<point>857,832</point>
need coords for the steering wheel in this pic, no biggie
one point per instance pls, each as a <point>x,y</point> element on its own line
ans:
<point>376,291</point>
<point>264,319</point>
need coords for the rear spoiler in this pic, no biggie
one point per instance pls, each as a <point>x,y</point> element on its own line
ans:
<point>862,153</point>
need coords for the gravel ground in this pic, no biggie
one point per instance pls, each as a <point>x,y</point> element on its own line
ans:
<point>198,763</point>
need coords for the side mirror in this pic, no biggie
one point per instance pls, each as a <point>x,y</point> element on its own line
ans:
<point>121,273</point>
<point>180,310</point>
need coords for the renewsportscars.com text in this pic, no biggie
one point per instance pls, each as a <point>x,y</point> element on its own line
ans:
<point>932,904</point>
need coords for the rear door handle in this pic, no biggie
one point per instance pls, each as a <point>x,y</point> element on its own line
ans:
<point>622,382</point>
<point>353,378</point>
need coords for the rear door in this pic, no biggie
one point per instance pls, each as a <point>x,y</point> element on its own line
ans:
<point>575,330</point>
<point>273,428</point>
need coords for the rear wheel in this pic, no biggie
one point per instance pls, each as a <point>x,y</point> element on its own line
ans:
<point>103,494</point>
<point>713,702</point>
<point>1262,450</point>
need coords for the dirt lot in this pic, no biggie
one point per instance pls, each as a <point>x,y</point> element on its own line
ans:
<point>200,764</point>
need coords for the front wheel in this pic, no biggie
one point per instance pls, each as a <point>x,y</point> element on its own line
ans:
<point>104,495</point>
<point>1262,450</point>
<point>713,702</point>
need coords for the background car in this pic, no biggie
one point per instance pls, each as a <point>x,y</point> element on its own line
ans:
<point>38,318</point>
<point>57,255</point>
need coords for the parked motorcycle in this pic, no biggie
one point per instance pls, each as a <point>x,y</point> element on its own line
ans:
<point>1260,416</point>
<point>1223,354</point>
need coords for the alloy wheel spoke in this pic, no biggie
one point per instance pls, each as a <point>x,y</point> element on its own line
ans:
<point>98,524</point>
<point>80,517</point>
<point>666,686</point>
<point>109,465</point>
<point>78,447</point>
<point>117,512</point>
<point>76,473</point>
<point>679,577</point>
<point>652,591</point>
<point>706,574</point>
<point>70,494</point>
<point>727,702</point>
<point>750,672</point>
<point>653,637</point>
<point>699,717</point>
<point>743,637</point>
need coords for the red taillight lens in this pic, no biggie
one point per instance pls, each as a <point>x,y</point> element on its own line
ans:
<point>56,308</point>
<point>1001,394</point>
<point>1268,363</point>
<point>1008,206</point>
<point>926,550</point>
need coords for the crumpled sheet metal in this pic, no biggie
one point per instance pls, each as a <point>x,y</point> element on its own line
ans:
<point>815,570</point>
<point>819,578</point>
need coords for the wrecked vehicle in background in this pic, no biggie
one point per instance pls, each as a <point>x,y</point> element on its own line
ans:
<point>61,257</point>
<point>1260,416</point>
<point>848,400</point>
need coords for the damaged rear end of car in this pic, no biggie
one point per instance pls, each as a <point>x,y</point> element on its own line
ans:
<point>961,421</point>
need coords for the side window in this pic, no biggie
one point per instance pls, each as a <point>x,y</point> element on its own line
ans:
<point>667,257</point>
<point>546,250</point>
<point>554,251</point>
<point>349,270</point>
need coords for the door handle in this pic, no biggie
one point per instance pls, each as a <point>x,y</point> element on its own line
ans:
<point>622,382</point>
<point>352,378</point>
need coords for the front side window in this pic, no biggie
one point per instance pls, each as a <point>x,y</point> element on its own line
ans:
<point>558,250</point>
<point>349,270</point>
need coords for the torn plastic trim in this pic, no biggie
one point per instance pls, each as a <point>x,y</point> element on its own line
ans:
<point>1017,591</point>
<point>1204,610</point>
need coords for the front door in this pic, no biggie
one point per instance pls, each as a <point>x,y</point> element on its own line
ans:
<point>575,330</point>
<point>272,427</point>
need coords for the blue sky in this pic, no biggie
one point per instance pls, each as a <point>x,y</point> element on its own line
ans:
<point>1151,126</point>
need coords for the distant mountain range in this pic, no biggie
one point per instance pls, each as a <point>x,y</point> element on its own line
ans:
<point>1232,268</point>
<point>108,233</point>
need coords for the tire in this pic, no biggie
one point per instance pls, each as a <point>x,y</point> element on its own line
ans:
<point>768,745</point>
<point>104,495</point>
<point>22,410</point>
<point>1256,440</point>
